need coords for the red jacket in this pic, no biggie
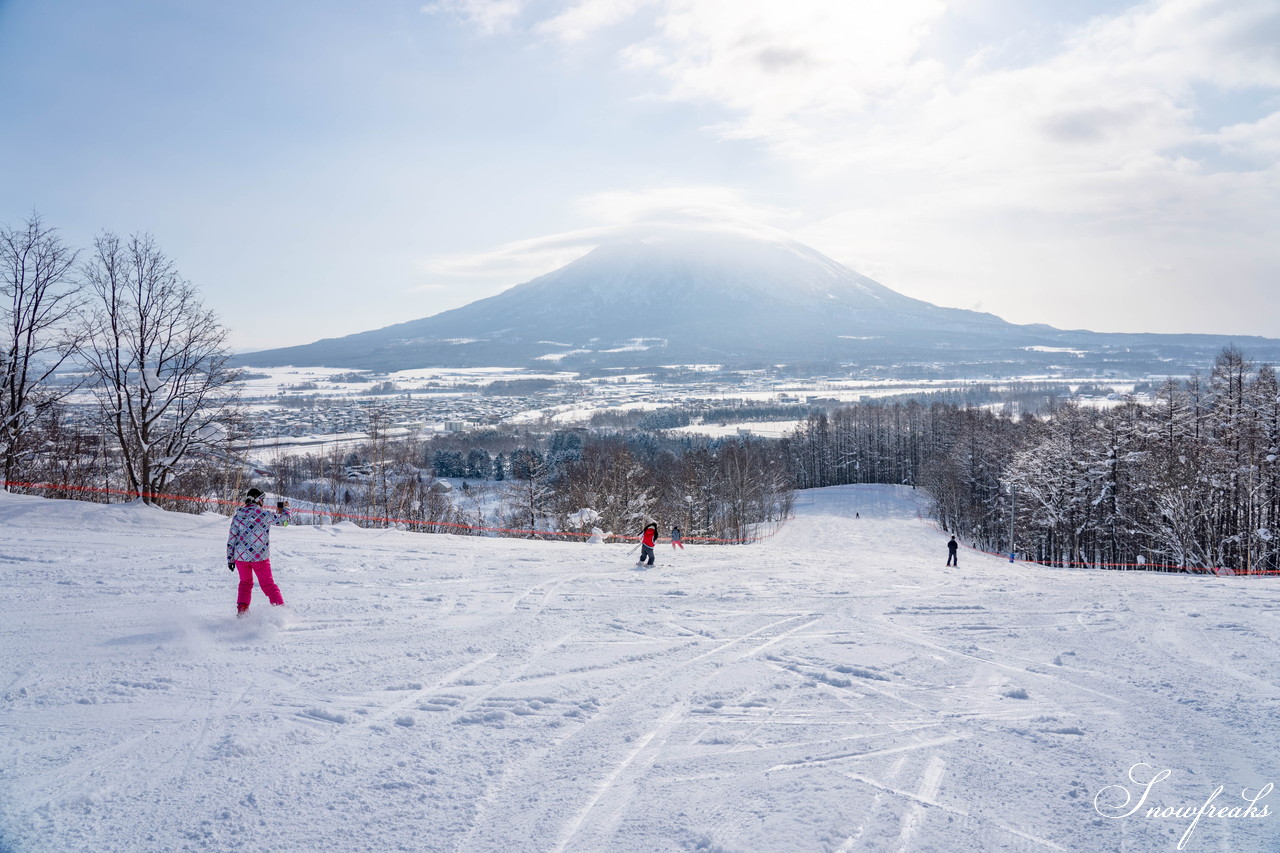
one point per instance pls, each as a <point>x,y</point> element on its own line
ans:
<point>650,537</point>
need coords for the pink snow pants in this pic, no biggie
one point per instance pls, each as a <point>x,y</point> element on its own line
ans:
<point>263,569</point>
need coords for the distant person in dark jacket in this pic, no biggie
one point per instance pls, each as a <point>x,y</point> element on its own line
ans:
<point>952,548</point>
<point>249,548</point>
<point>676,538</point>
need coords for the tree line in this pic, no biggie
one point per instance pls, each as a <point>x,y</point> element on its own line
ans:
<point>119,323</point>
<point>712,488</point>
<point>1191,481</point>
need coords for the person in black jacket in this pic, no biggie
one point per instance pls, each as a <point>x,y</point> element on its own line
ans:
<point>952,548</point>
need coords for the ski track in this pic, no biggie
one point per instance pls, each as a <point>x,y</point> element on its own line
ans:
<point>833,688</point>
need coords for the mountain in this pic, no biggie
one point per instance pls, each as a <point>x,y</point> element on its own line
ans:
<point>698,298</point>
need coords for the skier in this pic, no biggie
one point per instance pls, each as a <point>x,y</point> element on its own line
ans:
<point>952,548</point>
<point>675,537</point>
<point>249,548</point>
<point>647,540</point>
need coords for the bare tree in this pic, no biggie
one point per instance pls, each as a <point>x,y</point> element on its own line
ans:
<point>159,358</point>
<point>38,299</point>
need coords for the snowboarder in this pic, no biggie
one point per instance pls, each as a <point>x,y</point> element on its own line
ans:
<point>647,540</point>
<point>249,548</point>
<point>952,548</point>
<point>675,537</point>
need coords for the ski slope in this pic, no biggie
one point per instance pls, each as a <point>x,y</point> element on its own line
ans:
<point>834,688</point>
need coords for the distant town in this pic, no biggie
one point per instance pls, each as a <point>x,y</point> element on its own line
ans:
<point>312,410</point>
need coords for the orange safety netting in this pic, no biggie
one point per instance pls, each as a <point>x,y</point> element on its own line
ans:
<point>410,522</point>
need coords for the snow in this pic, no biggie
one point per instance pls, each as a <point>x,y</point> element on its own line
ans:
<point>583,517</point>
<point>558,356</point>
<point>637,345</point>
<point>831,688</point>
<point>211,433</point>
<point>151,380</point>
<point>765,429</point>
<point>1076,352</point>
<point>319,445</point>
<point>267,382</point>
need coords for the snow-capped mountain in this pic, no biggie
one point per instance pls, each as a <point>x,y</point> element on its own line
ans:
<point>703,297</point>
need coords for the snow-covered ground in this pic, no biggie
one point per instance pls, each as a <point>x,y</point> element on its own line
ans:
<point>834,688</point>
<point>764,429</point>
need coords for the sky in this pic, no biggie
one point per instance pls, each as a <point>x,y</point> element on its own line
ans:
<point>323,168</point>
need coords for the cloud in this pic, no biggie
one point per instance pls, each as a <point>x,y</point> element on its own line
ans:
<point>1025,160</point>
<point>692,206</point>
<point>842,84</point>
<point>788,68</point>
<point>487,16</point>
<point>624,214</point>
<point>513,262</point>
<point>858,91</point>
<point>1090,124</point>
<point>587,17</point>
<point>1054,174</point>
<point>845,86</point>
<point>1257,141</point>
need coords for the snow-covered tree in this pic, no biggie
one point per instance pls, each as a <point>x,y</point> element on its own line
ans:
<point>479,464</point>
<point>448,463</point>
<point>530,496</point>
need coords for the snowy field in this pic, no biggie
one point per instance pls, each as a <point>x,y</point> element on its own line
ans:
<point>764,429</point>
<point>834,688</point>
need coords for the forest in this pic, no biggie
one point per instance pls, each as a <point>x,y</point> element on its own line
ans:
<point>1189,482</point>
<point>532,484</point>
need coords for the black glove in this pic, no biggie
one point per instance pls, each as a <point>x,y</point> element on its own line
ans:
<point>231,565</point>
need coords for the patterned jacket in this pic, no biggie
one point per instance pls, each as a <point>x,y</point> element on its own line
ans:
<point>250,538</point>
